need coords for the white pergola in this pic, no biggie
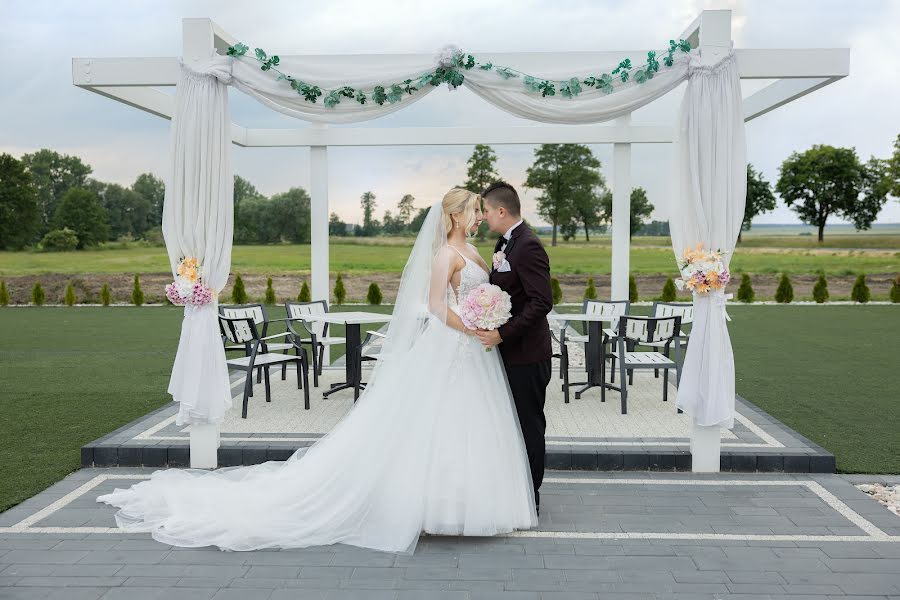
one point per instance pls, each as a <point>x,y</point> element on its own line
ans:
<point>796,72</point>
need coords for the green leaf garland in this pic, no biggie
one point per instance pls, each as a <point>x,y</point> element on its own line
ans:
<point>451,73</point>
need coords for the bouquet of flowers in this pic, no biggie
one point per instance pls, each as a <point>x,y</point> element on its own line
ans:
<point>485,307</point>
<point>702,270</point>
<point>188,286</point>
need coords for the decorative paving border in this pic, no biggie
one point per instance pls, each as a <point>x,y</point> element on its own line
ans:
<point>873,533</point>
<point>764,444</point>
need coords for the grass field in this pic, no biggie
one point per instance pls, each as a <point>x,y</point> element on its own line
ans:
<point>71,375</point>
<point>389,255</point>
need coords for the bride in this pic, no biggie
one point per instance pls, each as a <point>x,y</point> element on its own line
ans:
<point>432,445</point>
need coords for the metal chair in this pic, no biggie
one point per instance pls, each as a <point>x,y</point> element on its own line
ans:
<point>611,309</point>
<point>634,331</point>
<point>260,317</point>
<point>242,331</point>
<point>316,330</point>
<point>685,310</point>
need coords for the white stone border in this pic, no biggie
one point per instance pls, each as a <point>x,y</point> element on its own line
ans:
<point>874,534</point>
<point>768,440</point>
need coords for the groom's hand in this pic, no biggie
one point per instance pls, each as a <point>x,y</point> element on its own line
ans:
<point>489,337</point>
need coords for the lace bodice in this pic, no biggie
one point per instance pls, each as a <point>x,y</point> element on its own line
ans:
<point>470,277</point>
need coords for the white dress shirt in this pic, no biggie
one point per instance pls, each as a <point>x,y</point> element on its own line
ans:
<point>509,232</point>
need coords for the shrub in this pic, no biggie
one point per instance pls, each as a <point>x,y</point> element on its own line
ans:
<point>555,290</point>
<point>632,289</point>
<point>895,290</point>
<point>340,292</point>
<point>745,292</point>
<point>137,294</point>
<point>860,292</point>
<point>37,294</point>
<point>269,298</point>
<point>373,296</point>
<point>304,295</point>
<point>106,296</point>
<point>668,293</point>
<point>239,294</point>
<point>4,294</point>
<point>820,290</point>
<point>785,291</point>
<point>59,240</point>
<point>70,295</point>
<point>590,292</point>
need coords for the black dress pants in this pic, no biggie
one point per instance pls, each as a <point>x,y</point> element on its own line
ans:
<point>528,384</point>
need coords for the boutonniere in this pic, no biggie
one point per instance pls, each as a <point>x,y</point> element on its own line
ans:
<point>498,259</point>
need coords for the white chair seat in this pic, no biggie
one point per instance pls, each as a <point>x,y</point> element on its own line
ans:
<point>269,358</point>
<point>646,359</point>
<point>576,338</point>
<point>279,347</point>
<point>330,341</point>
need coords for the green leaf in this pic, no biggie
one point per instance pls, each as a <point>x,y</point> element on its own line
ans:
<point>571,89</point>
<point>640,76</point>
<point>260,53</point>
<point>684,45</point>
<point>547,88</point>
<point>361,97</point>
<point>470,62</point>
<point>506,73</point>
<point>238,49</point>
<point>425,79</point>
<point>395,94</point>
<point>486,66</point>
<point>347,91</point>
<point>378,96</point>
<point>332,99</point>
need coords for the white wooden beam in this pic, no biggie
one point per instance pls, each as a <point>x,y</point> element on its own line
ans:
<point>458,136</point>
<point>780,93</point>
<point>161,71</point>
<point>793,62</point>
<point>318,191</point>
<point>621,217</point>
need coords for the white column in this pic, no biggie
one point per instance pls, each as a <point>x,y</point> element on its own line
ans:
<point>197,45</point>
<point>621,216</point>
<point>715,40</point>
<point>318,191</point>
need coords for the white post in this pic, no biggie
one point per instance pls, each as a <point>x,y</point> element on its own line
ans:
<point>197,46</point>
<point>715,40</point>
<point>621,216</point>
<point>318,186</point>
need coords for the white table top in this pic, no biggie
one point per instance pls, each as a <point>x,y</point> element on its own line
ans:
<point>350,317</point>
<point>579,317</point>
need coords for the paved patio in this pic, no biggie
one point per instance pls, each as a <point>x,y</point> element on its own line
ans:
<point>584,434</point>
<point>601,535</point>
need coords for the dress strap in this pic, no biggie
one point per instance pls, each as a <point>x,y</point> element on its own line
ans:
<point>457,251</point>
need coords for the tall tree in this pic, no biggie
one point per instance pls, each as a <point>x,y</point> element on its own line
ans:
<point>760,198</point>
<point>153,189</point>
<point>825,181</point>
<point>481,173</point>
<point>292,211</point>
<point>370,225</point>
<point>641,208</point>
<point>81,211</point>
<point>336,226</point>
<point>128,212</point>
<point>243,190</point>
<point>19,211</point>
<point>53,174</point>
<point>562,172</point>
<point>405,210</point>
<point>894,169</point>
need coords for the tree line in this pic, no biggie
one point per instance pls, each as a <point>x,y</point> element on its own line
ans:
<point>49,201</point>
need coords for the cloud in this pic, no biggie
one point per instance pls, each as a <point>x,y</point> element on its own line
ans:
<point>41,37</point>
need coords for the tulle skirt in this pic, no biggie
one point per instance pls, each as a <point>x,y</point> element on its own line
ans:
<point>433,444</point>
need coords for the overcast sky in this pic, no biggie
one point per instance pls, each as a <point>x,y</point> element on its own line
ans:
<point>41,108</point>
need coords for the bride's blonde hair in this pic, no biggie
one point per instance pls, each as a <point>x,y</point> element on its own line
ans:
<point>462,202</point>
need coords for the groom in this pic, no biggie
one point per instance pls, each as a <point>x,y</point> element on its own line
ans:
<point>522,269</point>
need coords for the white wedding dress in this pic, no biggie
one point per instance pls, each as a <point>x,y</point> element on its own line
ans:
<point>435,446</point>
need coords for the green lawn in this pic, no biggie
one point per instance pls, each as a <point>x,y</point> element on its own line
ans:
<point>389,255</point>
<point>71,375</point>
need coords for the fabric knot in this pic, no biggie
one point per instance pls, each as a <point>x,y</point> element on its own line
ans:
<point>215,66</point>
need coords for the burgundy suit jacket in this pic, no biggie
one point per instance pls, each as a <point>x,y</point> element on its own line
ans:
<point>526,336</point>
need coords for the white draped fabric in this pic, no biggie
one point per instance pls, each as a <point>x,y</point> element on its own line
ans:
<point>707,205</point>
<point>198,221</point>
<point>710,172</point>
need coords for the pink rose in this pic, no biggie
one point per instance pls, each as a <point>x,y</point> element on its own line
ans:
<point>498,259</point>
